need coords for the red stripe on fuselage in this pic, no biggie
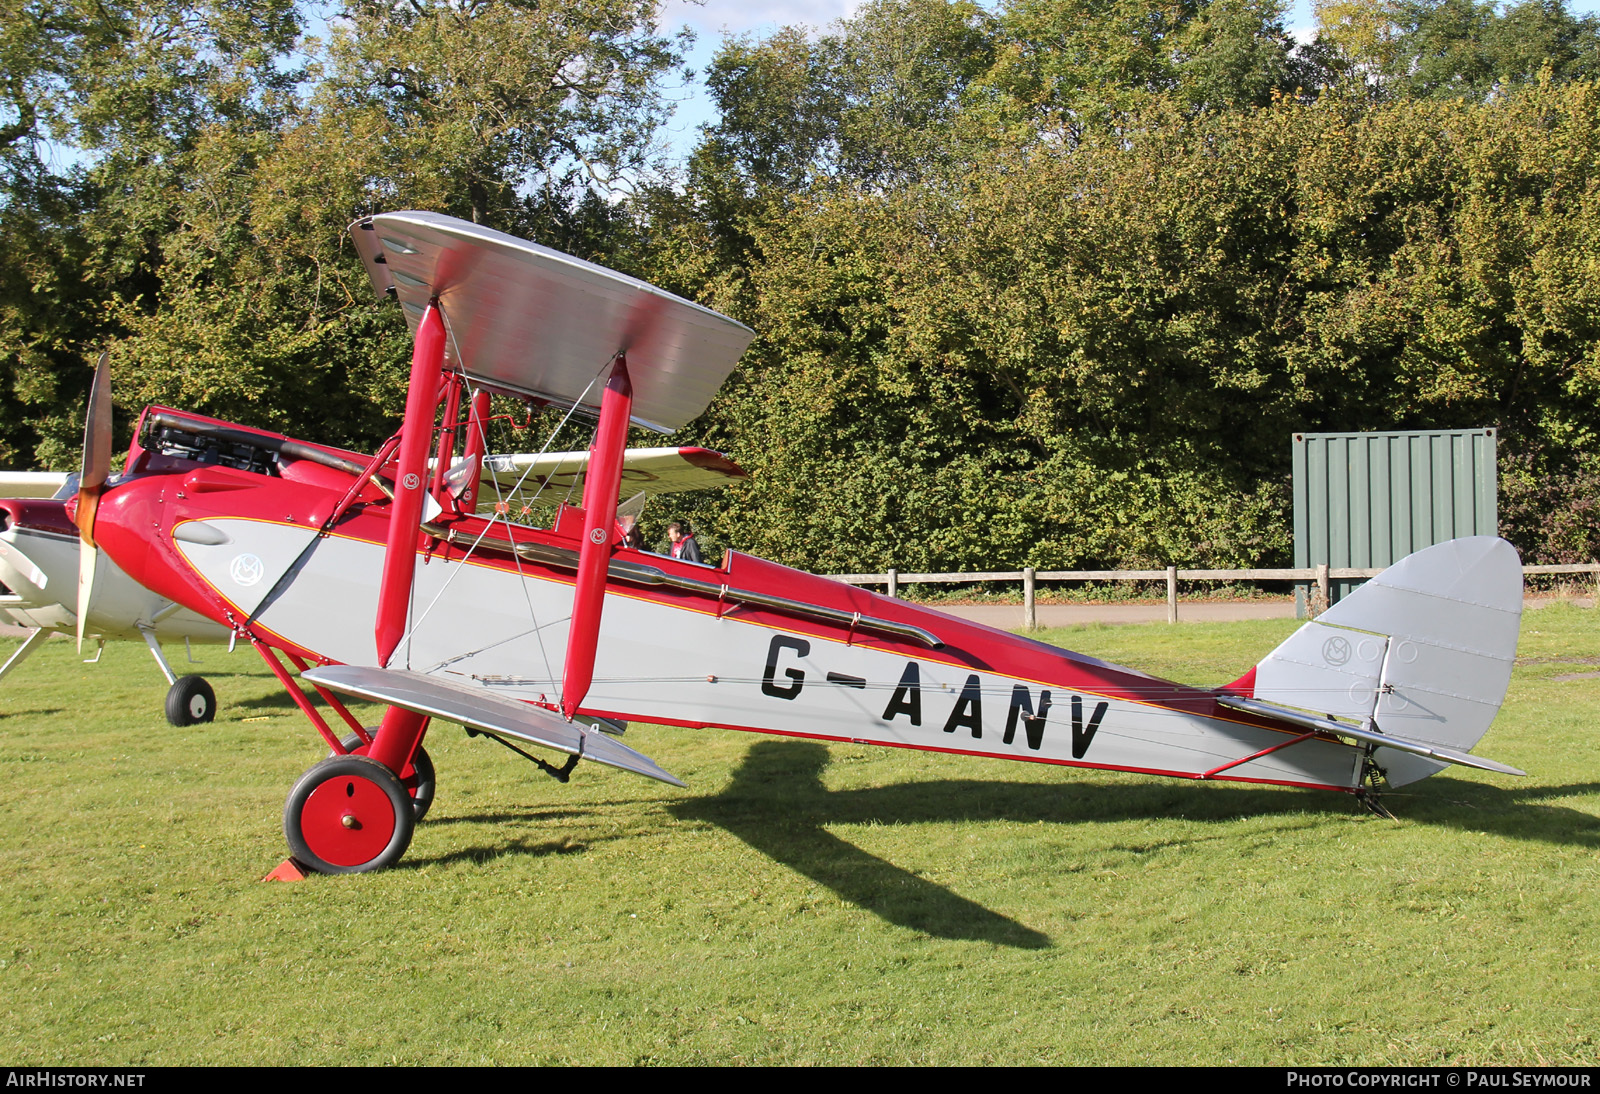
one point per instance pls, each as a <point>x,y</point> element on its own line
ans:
<point>138,517</point>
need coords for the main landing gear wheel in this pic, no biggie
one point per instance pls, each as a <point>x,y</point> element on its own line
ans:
<point>417,777</point>
<point>347,815</point>
<point>191,701</point>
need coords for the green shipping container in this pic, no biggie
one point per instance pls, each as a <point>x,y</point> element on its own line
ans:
<point>1369,499</point>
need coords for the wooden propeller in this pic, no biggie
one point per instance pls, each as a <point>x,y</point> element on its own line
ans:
<point>91,483</point>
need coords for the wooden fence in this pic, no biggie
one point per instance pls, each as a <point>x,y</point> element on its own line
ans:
<point>1323,576</point>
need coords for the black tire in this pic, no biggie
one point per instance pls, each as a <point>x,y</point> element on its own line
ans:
<point>348,815</point>
<point>191,702</point>
<point>420,784</point>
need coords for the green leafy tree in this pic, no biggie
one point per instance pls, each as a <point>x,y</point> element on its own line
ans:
<point>506,113</point>
<point>1079,66</point>
<point>1095,354</point>
<point>122,92</point>
<point>873,100</point>
<point>495,98</point>
<point>1473,49</point>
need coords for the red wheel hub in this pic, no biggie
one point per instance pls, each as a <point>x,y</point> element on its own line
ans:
<point>347,820</point>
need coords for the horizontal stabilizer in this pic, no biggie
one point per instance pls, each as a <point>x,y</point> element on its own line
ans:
<point>474,707</point>
<point>1367,736</point>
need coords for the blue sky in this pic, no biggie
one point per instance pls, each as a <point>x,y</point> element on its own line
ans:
<point>714,18</point>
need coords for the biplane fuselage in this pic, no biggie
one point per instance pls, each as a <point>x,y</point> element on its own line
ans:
<point>748,645</point>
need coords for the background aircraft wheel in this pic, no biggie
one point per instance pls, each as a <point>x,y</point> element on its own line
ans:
<point>347,815</point>
<point>191,701</point>
<point>417,777</point>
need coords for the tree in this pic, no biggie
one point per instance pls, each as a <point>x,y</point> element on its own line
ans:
<point>497,98</point>
<point>872,100</point>
<point>1357,40</point>
<point>123,92</point>
<point>1095,354</point>
<point>1441,49</point>
<point>1083,65</point>
<point>259,310</point>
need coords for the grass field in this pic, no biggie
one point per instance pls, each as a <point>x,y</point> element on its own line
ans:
<point>799,903</point>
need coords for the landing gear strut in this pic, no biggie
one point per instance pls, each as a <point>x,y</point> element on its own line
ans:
<point>1374,782</point>
<point>190,700</point>
<point>416,776</point>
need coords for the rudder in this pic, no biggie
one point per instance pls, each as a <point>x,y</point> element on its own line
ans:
<point>1424,650</point>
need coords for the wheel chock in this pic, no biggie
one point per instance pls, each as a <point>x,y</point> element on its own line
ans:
<point>288,870</point>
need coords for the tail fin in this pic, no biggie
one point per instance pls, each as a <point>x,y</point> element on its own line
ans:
<point>1421,653</point>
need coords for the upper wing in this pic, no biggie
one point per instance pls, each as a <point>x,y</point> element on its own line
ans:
<point>532,321</point>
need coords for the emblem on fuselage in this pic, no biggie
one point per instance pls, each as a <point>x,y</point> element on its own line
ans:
<point>245,570</point>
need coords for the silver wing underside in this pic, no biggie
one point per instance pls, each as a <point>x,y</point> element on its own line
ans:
<point>477,708</point>
<point>533,321</point>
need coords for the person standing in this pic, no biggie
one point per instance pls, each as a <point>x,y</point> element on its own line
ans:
<point>683,545</point>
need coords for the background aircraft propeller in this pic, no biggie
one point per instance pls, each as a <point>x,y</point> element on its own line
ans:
<point>96,469</point>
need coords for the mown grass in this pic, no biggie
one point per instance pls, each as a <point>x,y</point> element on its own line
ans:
<point>799,903</point>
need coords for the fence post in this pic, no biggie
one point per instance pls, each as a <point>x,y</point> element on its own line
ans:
<point>894,583</point>
<point>1324,591</point>
<point>1172,594</point>
<point>1030,618</point>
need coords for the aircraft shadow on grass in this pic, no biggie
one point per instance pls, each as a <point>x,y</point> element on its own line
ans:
<point>777,804</point>
<point>369,713</point>
<point>1514,812</point>
<point>514,846</point>
<point>31,712</point>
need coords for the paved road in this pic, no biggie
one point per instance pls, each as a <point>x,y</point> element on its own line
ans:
<point>1063,615</point>
<point>1009,616</point>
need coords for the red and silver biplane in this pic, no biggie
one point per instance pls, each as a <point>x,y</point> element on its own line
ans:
<point>383,577</point>
<point>40,556</point>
